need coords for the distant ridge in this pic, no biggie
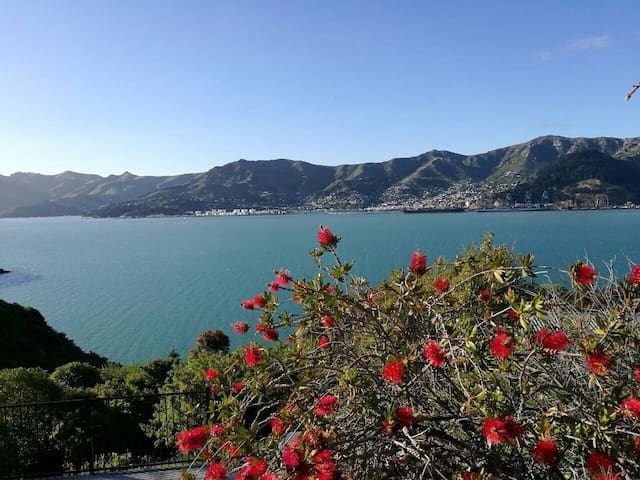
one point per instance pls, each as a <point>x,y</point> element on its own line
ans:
<point>286,183</point>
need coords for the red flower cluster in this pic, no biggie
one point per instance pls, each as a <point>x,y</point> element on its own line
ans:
<point>600,466</point>
<point>585,275</point>
<point>240,327</point>
<point>326,405</point>
<point>631,407</point>
<point>210,374</point>
<point>404,416</point>
<point>484,296</point>
<point>252,355</point>
<point>255,469</point>
<point>278,426</point>
<point>546,452</point>
<point>441,285</point>
<point>552,341</point>
<point>283,278</point>
<point>327,322</point>
<point>634,276</point>
<point>270,334</point>
<point>502,344</point>
<point>495,430</point>
<point>193,439</point>
<point>216,471</point>
<point>418,262</point>
<point>326,238</point>
<point>319,467</point>
<point>599,363</point>
<point>393,371</point>
<point>434,353</point>
<point>237,387</point>
<point>637,374</point>
<point>323,342</point>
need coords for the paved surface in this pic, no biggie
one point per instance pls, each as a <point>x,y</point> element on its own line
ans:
<point>172,473</point>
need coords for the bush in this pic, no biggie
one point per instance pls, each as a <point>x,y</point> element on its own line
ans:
<point>77,375</point>
<point>467,369</point>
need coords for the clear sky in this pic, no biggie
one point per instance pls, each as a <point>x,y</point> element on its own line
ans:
<point>165,87</point>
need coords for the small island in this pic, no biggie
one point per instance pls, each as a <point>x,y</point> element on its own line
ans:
<point>2,270</point>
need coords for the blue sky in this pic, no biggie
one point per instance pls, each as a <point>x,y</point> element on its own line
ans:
<point>165,87</point>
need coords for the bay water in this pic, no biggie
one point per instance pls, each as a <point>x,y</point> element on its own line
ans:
<point>135,289</point>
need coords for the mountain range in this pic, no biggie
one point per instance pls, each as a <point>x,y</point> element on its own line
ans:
<point>285,183</point>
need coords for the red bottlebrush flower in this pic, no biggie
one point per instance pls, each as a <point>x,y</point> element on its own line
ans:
<point>434,353</point>
<point>291,457</point>
<point>327,322</point>
<point>322,457</point>
<point>631,407</point>
<point>278,426</point>
<point>441,285</point>
<point>512,429</point>
<point>270,334</point>
<point>393,371</point>
<point>552,341</point>
<point>216,471</point>
<point>585,275</point>
<point>234,451</point>
<point>216,430</point>
<point>253,469</point>
<point>240,327</point>
<point>546,452</point>
<point>326,405</point>
<point>323,342</point>
<point>325,468</point>
<point>494,430</point>
<point>259,301</point>
<point>502,344</point>
<point>598,363</point>
<point>484,296</point>
<point>328,288</point>
<point>404,416</point>
<point>418,262</point>
<point>600,462</point>
<point>637,374</point>
<point>237,387</point>
<point>326,237</point>
<point>247,304</point>
<point>513,315</point>
<point>252,355</point>
<point>274,286</point>
<point>210,374</point>
<point>634,276</point>
<point>284,277</point>
<point>193,439</point>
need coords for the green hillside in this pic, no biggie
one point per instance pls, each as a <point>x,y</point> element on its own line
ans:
<point>27,341</point>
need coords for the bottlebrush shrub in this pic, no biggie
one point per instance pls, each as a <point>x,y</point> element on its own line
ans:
<point>495,376</point>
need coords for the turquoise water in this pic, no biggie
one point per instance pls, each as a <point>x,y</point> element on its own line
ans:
<point>135,289</point>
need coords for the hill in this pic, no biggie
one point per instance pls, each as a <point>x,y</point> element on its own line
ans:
<point>26,340</point>
<point>588,177</point>
<point>286,183</point>
<point>70,193</point>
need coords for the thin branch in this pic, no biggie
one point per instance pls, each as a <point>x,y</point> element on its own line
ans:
<point>632,91</point>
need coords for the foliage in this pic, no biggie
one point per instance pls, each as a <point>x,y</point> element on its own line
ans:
<point>77,375</point>
<point>467,369</point>
<point>27,385</point>
<point>212,341</point>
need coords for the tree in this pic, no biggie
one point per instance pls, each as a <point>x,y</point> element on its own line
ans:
<point>463,369</point>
